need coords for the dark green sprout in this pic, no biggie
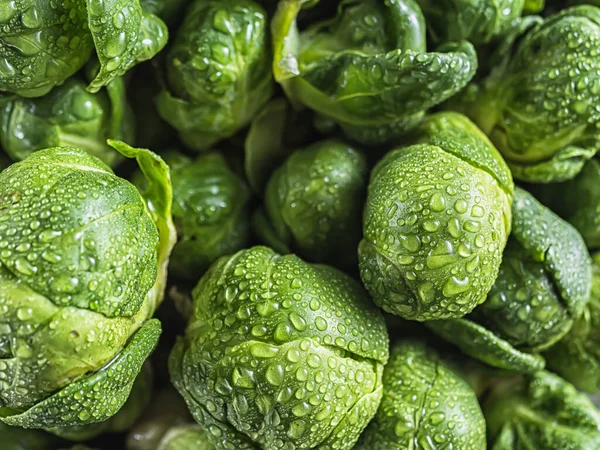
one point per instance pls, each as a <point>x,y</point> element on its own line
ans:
<point>313,204</point>
<point>217,71</point>
<point>210,211</point>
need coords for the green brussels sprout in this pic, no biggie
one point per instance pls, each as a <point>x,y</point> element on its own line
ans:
<point>67,116</point>
<point>541,412</point>
<point>424,400</point>
<point>135,404</point>
<point>478,21</point>
<point>217,71</point>
<point>577,201</point>
<point>436,221</point>
<point>16,438</point>
<point>82,268</point>
<point>280,353</point>
<point>186,437</point>
<point>542,288</point>
<point>538,106</point>
<point>313,204</point>
<point>42,43</point>
<point>368,68</point>
<point>210,211</point>
<point>576,357</point>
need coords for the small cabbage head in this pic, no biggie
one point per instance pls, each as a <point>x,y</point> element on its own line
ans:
<point>367,69</point>
<point>42,43</point>
<point>424,397</point>
<point>280,353</point>
<point>543,412</point>
<point>313,204</point>
<point>436,221</point>
<point>210,211</point>
<point>217,71</point>
<point>82,269</point>
<point>576,357</point>
<point>67,116</point>
<point>478,21</point>
<point>539,106</point>
<point>542,288</point>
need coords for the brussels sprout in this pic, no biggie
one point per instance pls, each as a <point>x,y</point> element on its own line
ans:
<point>280,354</point>
<point>542,412</point>
<point>576,357</point>
<point>368,68</point>
<point>422,398</point>
<point>538,107</point>
<point>186,437</point>
<point>479,21</point>
<point>542,288</point>
<point>217,71</point>
<point>436,221</point>
<point>82,269</point>
<point>67,116</point>
<point>577,201</point>
<point>313,204</point>
<point>210,211</point>
<point>43,43</point>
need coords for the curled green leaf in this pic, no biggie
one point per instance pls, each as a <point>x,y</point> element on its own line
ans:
<point>367,68</point>
<point>43,43</point>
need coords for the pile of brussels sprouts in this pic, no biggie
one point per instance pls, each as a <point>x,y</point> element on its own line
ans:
<point>299,224</point>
